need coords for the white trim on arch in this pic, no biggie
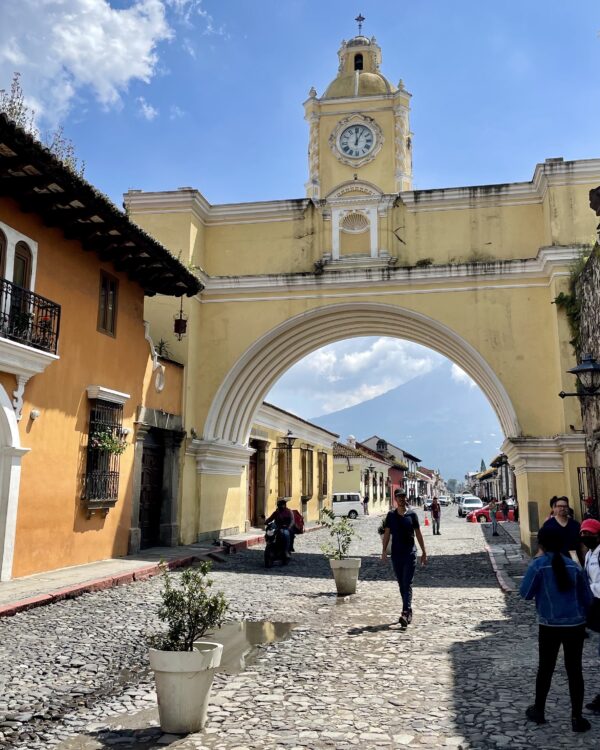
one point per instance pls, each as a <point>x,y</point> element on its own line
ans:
<point>11,453</point>
<point>245,386</point>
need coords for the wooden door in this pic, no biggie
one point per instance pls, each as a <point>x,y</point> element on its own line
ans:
<point>151,492</point>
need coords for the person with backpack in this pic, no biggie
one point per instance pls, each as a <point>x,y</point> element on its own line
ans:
<point>402,524</point>
<point>562,598</point>
<point>285,522</point>
<point>436,515</point>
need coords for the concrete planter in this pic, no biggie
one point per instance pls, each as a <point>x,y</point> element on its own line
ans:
<point>183,683</point>
<point>345,572</point>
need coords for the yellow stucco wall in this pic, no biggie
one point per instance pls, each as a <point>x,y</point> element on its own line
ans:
<point>52,525</point>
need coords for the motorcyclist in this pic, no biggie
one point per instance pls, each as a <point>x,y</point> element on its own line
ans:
<point>284,520</point>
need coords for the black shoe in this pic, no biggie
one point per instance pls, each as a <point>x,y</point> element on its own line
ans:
<point>409,616</point>
<point>403,621</point>
<point>495,533</point>
<point>594,705</point>
<point>535,715</point>
<point>580,724</point>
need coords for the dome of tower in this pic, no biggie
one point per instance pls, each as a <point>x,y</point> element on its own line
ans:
<point>358,73</point>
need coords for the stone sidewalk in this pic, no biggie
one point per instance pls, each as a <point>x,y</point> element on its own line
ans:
<point>74,674</point>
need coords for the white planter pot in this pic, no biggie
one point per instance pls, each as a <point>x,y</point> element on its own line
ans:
<point>345,573</point>
<point>183,682</point>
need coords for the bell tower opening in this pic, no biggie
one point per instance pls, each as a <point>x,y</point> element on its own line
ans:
<point>358,62</point>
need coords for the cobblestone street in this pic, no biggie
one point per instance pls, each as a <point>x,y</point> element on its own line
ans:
<point>74,673</point>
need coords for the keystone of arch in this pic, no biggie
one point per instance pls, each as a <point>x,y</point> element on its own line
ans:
<point>245,386</point>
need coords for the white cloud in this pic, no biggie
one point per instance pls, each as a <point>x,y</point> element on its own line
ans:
<point>460,376</point>
<point>175,112</point>
<point>349,372</point>
<point>67,50</point>
<point>147,111</point>
<point>64,47</point>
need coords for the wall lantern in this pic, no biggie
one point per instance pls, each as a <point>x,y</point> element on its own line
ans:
<point>180,324</point>
<point>290,439</point>
<point>588,376</point>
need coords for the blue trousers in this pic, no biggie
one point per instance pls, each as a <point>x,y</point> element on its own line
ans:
<point>404,568</point>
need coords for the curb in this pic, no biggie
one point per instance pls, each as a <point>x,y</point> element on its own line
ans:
<point>506,586</point>
<point>141,574</point>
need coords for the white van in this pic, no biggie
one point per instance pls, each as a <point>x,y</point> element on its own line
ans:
<point>347,504</point>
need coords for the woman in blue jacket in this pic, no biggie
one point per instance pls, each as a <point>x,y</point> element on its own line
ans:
<point>562,597</point>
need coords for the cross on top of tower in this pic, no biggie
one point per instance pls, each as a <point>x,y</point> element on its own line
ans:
<point>360,20</point>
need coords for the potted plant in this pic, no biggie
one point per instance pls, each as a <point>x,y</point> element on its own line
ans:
<point>345,569</point>
<point>103,439</point>
<point>183,665</point>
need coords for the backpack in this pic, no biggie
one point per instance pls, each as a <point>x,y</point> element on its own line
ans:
<point>298,521</point>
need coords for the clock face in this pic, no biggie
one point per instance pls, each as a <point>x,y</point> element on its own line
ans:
<point>356,141</point>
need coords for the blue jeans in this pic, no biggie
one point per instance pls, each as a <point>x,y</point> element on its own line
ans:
<point>404,568</point>
<point>494,520</point>
<point>285,534</point>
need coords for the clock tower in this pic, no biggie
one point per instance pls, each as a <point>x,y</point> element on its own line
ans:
<point>359,128</point>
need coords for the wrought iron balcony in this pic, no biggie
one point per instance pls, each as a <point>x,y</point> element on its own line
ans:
<point>28,318</point>
<point>589,487</point>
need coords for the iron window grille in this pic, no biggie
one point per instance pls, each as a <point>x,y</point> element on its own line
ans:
<point>284,470</point>
<point>103,463</point>
<point>322,474</point>
<point>589,485</point>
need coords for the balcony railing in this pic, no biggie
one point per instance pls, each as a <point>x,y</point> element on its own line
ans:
<point>28,318</point>
<point>589,486</point>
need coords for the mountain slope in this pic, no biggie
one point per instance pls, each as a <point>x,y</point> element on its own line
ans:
<point>447,423</point>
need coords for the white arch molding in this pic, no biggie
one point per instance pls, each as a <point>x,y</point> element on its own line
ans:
<point>245,386</point>
<point>11,453</point>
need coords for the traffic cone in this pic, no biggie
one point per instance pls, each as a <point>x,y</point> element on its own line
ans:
<point>426,520</point>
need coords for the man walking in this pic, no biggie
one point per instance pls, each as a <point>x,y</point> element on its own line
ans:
<point>402,524</point>
<point>493,511</point>
<point>436,515</point>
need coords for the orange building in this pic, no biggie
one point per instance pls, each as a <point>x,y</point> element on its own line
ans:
<point>90,417</point>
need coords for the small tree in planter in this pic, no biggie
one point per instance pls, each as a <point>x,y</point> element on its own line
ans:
<point>345,569</point>
<point>183,666</point>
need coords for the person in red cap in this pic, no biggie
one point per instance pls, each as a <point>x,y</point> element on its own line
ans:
<point>590,538</point>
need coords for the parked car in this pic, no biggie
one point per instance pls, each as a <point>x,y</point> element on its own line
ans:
<point>482,515</point>
<point>347,504</point>
<point>445,500</point>
<point>469,503</point>
<point>427,503</point>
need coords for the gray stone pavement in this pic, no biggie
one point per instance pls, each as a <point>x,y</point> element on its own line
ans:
<point>74,674</point>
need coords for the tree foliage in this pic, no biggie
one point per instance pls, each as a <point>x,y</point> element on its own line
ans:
<point>341,530</point>
<point>13,105</point>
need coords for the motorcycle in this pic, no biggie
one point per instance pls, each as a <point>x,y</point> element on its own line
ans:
<point>275,546</point>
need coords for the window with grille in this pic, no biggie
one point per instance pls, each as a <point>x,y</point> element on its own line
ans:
<point>284,470</point>
<point>306,458</point>
<point>322,474</point>
<point>105,445</point>
<point>107,304</point>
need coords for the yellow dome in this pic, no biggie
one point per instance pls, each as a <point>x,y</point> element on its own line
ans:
<point>358,72</point>
<point>369,84</point>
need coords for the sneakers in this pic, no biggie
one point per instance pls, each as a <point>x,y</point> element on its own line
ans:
<point>409,616</point>
<point>535,715</point>
<point>594,705</point>
<point>579,724</point>
<point>403,621</point>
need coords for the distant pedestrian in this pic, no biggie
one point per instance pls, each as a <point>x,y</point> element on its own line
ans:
<point>436,515</point>
<point>402,524</point>
<point>590,538</point>
<point>366,505</point>
<point>566,527</point>
<point>562,598</point>
<point>504,507</point>
<point>516,509</point>
<point>493,511</point>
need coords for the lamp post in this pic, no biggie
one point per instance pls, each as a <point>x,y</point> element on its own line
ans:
<point>587,373</point>
<point>290,439</point>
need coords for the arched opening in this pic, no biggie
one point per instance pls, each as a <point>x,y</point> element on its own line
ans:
<point>3,246</point>
<point>22,266</point>
<point>250,379</point>
<point>358,62</point>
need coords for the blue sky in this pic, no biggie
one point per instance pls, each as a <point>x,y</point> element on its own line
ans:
<point>161,94</point>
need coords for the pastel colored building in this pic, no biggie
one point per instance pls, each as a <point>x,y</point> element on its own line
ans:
<point>91,421</point>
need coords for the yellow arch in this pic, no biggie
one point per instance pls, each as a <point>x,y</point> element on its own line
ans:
<point>250,379</point>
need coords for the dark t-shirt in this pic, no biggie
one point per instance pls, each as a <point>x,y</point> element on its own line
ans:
<point>569,533</point>
<point>402,529</point>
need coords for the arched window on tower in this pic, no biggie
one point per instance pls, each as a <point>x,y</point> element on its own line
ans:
<point>22,268</point>
<point>358,62</point>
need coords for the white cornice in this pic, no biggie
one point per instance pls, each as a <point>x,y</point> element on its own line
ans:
<point>22,360</point>
<point>549,174</point>
<point>219,457</point>
<point>107,394</point>
<point>275,419</point>
<point>378,273</point>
